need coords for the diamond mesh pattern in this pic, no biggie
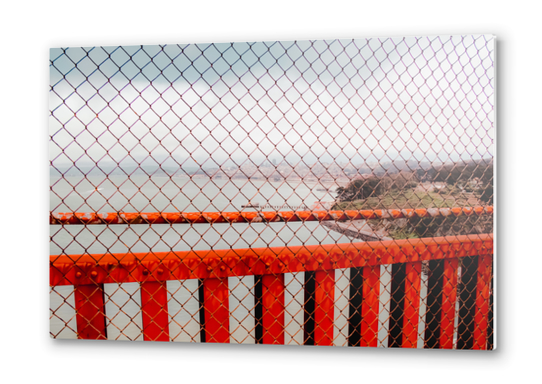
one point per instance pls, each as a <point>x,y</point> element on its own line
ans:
<point>196,191</point>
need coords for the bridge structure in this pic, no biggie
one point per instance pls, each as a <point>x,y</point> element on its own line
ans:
<point>413,293</point>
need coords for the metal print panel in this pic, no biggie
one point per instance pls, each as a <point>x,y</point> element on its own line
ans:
<point>332,193</point>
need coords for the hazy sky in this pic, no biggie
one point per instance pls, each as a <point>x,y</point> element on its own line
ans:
<point>410,98</point>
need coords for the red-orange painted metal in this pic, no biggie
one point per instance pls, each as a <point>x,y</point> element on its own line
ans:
<point>370,306</point>
<point>89,272</point>
<point>412,304</point>
<point>449,298</point>
<point>154,311</point>
<point>255,217</point>
<point>273,309</point>
<point>90,312</point>
<point>216,310</point>
<point>324,294</point>
<point>482,302</point>
<point>161,266</point>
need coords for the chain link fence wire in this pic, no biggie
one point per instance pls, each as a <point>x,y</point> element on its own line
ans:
<point>306,192</point>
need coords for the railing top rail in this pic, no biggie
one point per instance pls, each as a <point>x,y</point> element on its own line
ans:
<point>160,266</point>
<point>85,218</point>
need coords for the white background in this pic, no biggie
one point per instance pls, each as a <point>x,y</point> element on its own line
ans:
<point>29,29</point>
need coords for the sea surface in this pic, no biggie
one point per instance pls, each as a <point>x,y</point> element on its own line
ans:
<point>183,194</point>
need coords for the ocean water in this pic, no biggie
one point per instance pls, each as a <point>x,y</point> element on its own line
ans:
<point>163,194</point>
<point>160,193</point>
<point>182,194</point>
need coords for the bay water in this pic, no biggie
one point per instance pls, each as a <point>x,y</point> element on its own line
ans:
<point>140,193</point>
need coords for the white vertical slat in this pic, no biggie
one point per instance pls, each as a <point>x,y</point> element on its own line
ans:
<point>342,307</point>
<point>456,315</point>
<point>242,303</point>
<point>294,298</point>
<point>423,310</point>
<point>123,311</point>
<point>385,298</point>
<point>62,321</point>
<point>183,308</point>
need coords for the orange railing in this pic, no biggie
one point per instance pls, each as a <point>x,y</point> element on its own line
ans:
<point>465,276</point>
<point>257,217</point>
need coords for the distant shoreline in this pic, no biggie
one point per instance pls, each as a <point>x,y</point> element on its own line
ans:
<point>295,180</point>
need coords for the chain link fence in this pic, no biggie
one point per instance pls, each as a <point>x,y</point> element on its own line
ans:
<point>309,192</point>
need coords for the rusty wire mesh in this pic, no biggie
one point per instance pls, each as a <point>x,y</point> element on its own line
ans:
<point>342,125</point>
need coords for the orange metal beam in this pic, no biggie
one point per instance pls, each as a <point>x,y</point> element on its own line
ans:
<point>449,298</point>
<point>154,311</point>
<point>324,292</point>
<point>85,218</point>
<point>216,308</point>
<point>273,309</point>
<point>162,266</point>
<point>482,302</point>
<point>90,309</point>
<point>369,306</point>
